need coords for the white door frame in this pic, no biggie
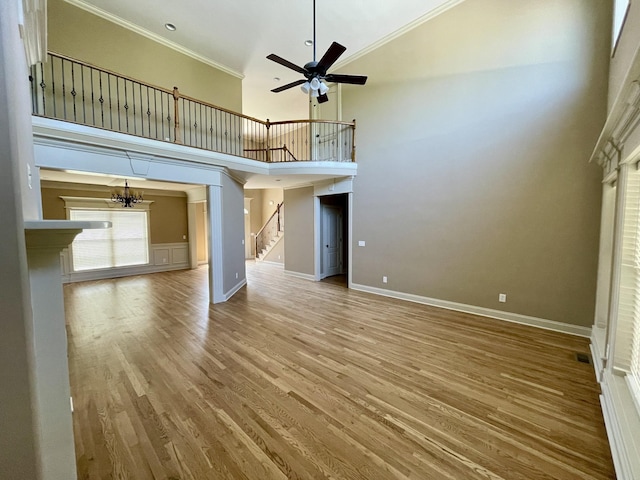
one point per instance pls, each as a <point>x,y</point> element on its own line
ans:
<point>335,187</point>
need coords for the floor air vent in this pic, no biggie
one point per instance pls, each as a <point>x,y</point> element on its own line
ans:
<point>583,357</point>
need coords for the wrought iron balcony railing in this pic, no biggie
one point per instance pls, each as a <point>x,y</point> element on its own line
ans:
<point>73,91</point>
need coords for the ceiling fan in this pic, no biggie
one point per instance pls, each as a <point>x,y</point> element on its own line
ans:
<point>315,73</point>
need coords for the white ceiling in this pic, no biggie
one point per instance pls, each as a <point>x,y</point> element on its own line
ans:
<point>238,35</point>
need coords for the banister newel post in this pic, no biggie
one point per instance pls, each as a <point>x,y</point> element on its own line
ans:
<point>176,116</point>
<point>353,141</point>
<point>279,205</point>
<point>268,157</point>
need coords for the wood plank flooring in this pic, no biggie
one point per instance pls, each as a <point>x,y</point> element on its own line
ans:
<point>303,380</point>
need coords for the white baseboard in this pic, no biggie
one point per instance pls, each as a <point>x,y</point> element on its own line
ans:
<point>120,272</point>
<point>622,423</point>
<point>305,276</point>
<point>269,262</point>
<point>481,311</point>
<point>235,289</point>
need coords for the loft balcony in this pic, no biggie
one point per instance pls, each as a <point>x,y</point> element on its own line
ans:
<point>76,102</point>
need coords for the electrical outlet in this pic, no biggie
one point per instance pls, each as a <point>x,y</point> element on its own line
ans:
<point>502,298</point>
<point>384,279</point>
<point>236,274</point>
<point>184,237</point>
<point>361,243</point>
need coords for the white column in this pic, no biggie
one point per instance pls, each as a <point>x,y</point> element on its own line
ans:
<point>54,425</point>
<point>216,270</point>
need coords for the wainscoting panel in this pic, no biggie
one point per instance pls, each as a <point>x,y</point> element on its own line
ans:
<point>163,257</point>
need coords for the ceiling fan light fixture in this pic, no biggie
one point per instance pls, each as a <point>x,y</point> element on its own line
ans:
<point>323,89</point>
<point>315,94</point>
<point>315,83</point>
<point>306,87</point>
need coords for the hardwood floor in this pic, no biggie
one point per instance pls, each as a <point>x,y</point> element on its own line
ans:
<point>303,380</point>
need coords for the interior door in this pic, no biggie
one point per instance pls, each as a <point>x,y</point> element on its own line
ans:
<point>331,240</point>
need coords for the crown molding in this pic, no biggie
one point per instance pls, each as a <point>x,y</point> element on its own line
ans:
<point>151,36</point>
<point>398,33</point>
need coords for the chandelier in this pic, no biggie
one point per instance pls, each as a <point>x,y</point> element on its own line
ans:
<point>126,198</point>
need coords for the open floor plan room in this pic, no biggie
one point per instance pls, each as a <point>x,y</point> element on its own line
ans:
<point>298,379</point>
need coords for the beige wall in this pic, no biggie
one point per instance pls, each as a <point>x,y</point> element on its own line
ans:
<point>87,37</point>
<point>474,133</point>
<point>255,213</point>
<point>275,195</point>
<point>167,214</point>
<point>299,248</point>
<point>201,233</point>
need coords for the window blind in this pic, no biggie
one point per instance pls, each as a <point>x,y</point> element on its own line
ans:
<point>125,244</point>
<point>627,334</point>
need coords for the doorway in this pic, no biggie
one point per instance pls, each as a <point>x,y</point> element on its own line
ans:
<point>333,236</point>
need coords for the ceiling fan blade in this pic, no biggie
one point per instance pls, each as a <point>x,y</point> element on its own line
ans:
<point>352,79</point>
<point>288,86</point>
<point>323,98</point>
<point>286,63</point>
<point>330,57</point>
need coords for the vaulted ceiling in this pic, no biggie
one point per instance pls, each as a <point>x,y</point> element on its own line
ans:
<point>237,35</point>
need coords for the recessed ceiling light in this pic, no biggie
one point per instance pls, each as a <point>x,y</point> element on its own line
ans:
<point>170,26</point>
<point>308,43</point>
<point>276,79</point>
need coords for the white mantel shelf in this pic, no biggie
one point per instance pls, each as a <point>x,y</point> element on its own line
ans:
<point>63,225</point>
<point>56,233</point>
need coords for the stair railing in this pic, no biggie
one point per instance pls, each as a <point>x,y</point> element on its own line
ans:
<point>270,229</point>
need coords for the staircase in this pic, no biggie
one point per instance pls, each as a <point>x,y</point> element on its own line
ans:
<point>271,233</point>
<point>267,248</point>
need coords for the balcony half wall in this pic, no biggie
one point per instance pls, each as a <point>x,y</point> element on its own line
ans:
<point>61,145</point>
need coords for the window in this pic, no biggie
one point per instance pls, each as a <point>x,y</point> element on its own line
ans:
<point>620,9</point>
<point>627,331</point>
<point>125,244</point>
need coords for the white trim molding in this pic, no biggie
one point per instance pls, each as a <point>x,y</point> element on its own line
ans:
<point>33,30</point>
<point>235,289</point>
<point>304,276</point>
<point>480,311</point>
<point>622,422</point>
<point>597,347</point>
